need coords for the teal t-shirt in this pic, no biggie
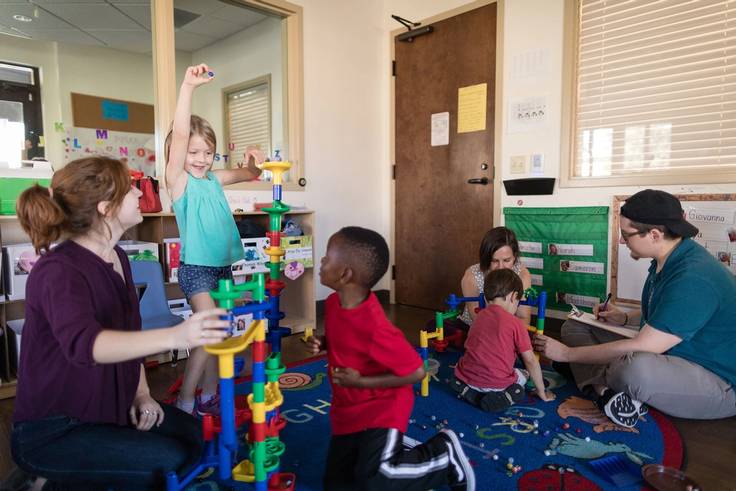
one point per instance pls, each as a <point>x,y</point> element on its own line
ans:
<point>694,298</point>
<point>209,236</point>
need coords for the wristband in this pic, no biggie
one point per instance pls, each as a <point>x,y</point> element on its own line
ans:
<point>626,320</point>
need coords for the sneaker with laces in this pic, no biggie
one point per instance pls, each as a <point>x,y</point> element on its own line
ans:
<point>210,406</point>
<point>621,408</point>
<point>462,471</point>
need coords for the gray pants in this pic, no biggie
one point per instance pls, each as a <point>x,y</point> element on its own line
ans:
<point>671,384</point>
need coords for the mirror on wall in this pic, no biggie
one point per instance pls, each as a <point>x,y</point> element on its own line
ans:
<point>245,102</point>
<point>89,87</point>
<point>91,67</point>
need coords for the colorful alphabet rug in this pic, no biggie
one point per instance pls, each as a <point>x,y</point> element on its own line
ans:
<point>565,444</point>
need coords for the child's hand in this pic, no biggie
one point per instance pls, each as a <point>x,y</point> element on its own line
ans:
<point>345,377</point>
<point>314,344</point>
<point>546,395</point>
<point>197,75</point>
<point>254,157</point>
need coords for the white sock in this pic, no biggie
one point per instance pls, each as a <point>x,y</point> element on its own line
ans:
<point>206,397</point>
<point>186,406</point>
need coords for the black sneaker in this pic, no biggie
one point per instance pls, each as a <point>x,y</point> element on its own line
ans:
<point>495,401</point>
<point>620,408</point>
<point>463,472</point>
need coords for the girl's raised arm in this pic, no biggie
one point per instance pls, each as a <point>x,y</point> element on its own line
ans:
<point>175,175</point>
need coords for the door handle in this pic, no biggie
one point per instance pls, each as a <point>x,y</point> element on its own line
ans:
<point>478,180</point>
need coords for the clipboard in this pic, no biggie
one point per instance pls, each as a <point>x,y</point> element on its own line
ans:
<point>589,319</point>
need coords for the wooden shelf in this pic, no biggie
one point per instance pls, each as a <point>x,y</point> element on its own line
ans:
<point>297,300</point>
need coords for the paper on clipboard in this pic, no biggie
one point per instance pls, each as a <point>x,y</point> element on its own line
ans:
<point>589,319</point>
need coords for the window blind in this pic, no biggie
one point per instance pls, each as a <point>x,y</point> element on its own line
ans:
<point>656,87</point>
<point>249,118</point>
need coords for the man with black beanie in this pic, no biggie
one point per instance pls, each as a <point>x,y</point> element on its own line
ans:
<point>682,359</point>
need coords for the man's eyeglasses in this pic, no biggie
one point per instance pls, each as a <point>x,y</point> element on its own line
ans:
<point>627,235</point>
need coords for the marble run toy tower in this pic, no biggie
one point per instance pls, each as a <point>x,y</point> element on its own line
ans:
<point>274,284</point>
<point>261,469</point>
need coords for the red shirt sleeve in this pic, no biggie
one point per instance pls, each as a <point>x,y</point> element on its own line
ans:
<point>521,337</point>
<point>66,301</point>
<point>390,348</point>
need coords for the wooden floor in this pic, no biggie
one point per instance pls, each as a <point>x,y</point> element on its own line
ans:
<point>710,445</point>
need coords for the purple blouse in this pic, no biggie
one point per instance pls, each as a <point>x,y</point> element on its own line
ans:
<point>72,295</point>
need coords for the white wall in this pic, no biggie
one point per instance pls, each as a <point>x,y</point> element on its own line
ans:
<point>345,137</point>
<point>239,58</point>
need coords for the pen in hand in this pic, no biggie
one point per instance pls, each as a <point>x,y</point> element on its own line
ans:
<point>605,304</point>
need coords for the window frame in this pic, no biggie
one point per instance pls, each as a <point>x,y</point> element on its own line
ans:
<point>569,113</point>
<point>227,91</point>
<point>165,89</point>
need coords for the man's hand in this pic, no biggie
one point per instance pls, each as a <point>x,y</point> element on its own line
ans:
<point>611,314</point>
<point>550,348</point>
<point>345,377</point>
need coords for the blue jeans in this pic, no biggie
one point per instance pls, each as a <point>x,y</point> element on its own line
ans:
<point>85,456</point>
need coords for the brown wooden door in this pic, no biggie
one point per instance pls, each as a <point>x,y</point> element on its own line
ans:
<point>440,217</point>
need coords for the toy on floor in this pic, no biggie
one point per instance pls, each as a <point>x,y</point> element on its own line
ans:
<point>439,340</point>
<point>220,433</point>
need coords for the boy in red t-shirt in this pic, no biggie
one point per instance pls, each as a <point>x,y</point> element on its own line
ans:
<point>372,369</point>
<point>485,376</point>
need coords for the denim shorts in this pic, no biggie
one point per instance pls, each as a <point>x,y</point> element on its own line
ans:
<point>195,279</point>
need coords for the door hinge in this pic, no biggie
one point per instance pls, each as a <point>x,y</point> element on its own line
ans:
<point>393,271</point>
<point>393,172</point>
<point>393,68</point>
<point>30,97</point>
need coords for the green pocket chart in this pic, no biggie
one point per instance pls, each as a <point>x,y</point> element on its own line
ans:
<point>566,252</point>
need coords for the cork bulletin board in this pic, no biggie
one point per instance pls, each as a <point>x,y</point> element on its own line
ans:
<point>112,114</point>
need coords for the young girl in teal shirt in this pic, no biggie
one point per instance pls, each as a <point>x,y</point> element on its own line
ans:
<point>210,242</point>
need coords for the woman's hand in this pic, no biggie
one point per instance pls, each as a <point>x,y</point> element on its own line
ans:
<point>145,412</point>
<point>197,75</point>
<point>611,314</point>
<point>550,348</point>
<point>201,329</point>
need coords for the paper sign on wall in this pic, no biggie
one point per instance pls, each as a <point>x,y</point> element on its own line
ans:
<point>569,249</point>
<point>577,300</point>
<point>440,129</point>
<point>471,108</point>
<point>530,247</point>
<point>582,267</point>
<point>527,113</point>
<point>532,262</point>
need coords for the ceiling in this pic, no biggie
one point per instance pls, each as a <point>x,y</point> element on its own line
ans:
<point>122,24</point>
